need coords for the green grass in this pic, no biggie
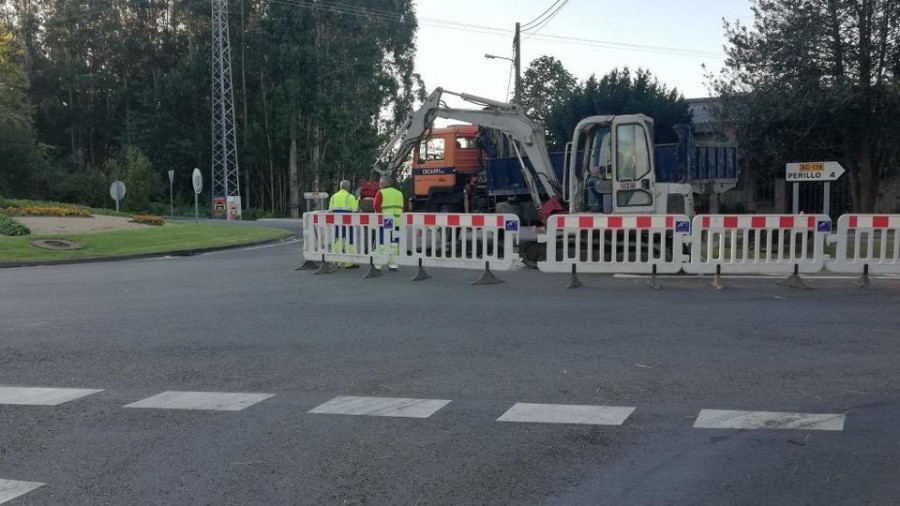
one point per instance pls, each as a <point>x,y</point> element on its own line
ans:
<point>170,238</point>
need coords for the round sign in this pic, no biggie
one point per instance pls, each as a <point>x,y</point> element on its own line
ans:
<point>197,180</point>
<point>117,190</point>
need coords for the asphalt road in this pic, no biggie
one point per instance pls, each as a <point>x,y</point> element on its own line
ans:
<point>244,321</point>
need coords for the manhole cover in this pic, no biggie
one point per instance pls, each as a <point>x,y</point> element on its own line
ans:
<point>56,244</point>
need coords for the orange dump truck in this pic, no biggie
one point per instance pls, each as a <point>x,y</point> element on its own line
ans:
<point>444,163</point>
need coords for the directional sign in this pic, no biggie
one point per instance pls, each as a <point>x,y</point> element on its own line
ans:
<point>813,172</point>
<point>117,190</point>
<point>197,180</point>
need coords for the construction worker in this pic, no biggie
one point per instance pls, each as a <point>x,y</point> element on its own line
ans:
<point>389,201</point>
<point>344,202</point>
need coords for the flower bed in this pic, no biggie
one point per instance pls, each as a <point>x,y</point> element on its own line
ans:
<point>39,210</point>
<point>148,220</point>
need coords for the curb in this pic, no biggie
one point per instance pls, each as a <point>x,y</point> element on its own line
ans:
<point>178,253</point>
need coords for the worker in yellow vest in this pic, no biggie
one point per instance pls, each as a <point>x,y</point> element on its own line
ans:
<point>344,202</point>
<point>389,201</point>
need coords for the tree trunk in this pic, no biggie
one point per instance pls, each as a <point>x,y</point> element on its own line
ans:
<point>294,184</point>
<point>867,187</point>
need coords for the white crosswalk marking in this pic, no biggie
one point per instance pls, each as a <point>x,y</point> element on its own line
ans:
<point>729,419</point>
<point>10,489</point>
<point>210,401</point>
<point>28,396</point>
<point>566,413</point>
<point>381,406</point>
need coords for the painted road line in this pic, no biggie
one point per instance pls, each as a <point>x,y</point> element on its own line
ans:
<point>744,276</point>
<point>10,489</point>
<point>381,406</point>
<point>27,396</point>
<point>566,413</point>
<point>209,401</point>
<point>727,419</point>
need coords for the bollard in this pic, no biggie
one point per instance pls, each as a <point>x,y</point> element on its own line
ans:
<point>794,281</point>
<point>487,277</point>
<point>421,274</point>
<point>863,281</point>
<point>307,265</point>
<point>324,267</point>
<point>373,272</point>
<point>717,280</point>
<point>653,283</point>
<point>574,282</point>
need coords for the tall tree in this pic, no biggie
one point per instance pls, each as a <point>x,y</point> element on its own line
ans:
<point>818,79</point>
<point>546,85</point>
<point>19,152</point>
<point>619,92</point>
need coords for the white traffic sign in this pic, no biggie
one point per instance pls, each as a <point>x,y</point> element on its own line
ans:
<point>197,180</point>
<point>171,176</point>
<point>315,195</point>
<point>117,190</point>
<point>813,172</point>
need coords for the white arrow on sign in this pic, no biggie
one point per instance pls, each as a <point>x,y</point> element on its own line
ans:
<point>813,172</point>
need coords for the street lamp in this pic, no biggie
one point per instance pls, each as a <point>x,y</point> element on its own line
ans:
<point>515,62</point>
<point>495,57</point>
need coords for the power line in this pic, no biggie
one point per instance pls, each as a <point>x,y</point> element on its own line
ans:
<point>525,25</point>
<point>538,28</point>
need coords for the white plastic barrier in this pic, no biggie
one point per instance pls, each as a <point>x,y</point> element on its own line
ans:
<point>603,243</point>
<point>758,244</point>
<point>462,241</point>
<point>347,237</point>
<point>866,239</point>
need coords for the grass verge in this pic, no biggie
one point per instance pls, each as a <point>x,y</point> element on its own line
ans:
<point>156,240</point>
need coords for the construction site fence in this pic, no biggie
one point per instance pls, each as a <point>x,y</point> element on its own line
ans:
<point>461,241</point>
<point>866,243</point>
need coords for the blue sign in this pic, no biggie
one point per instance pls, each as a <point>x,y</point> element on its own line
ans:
<point>824,226</point>
<point>683,226</point>
<point>388,223</point>
<point>511,226</point>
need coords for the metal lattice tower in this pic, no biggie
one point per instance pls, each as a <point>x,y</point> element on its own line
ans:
<point>225,176</point>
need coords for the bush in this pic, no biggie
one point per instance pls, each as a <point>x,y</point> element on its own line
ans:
<point>146,219</point>
<point>9,226</point>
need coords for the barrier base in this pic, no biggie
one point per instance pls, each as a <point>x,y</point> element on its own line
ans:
<point>373,272</point>
<point>324,267</point>
<point>574,282</point>
<point>421,274</point>
<point>717,280</point>
<point>487,277</point>
<point>307,265</point>
<point>864,281</point>
<point>794,281</point>
<point>653,283</point>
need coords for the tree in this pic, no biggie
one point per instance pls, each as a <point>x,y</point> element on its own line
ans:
<point>19,153</point>
<point>546,85</point>
<point>619,92</point>
<point>818,79</point>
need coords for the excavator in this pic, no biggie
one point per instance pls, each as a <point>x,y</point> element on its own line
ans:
<point>609,164</point>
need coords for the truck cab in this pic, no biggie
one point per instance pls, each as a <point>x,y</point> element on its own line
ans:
<point>443,163</point>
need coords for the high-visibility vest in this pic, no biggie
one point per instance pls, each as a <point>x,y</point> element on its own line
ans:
<point>391,202</point>
<point>343,201</point>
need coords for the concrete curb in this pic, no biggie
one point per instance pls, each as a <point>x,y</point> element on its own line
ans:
<point>178,253</point>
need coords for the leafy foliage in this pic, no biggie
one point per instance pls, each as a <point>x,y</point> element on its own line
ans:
<point>11,227</point>
<point>818,79</point>
<point>146,219</point>
<point>546,85</point>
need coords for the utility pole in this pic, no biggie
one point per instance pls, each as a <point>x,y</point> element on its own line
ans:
<point>517,56</point>
<point>225,187</point>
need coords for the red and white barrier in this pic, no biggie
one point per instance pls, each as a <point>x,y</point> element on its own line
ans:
<point>602,243</point>
<point>346,237</point>
<point>866,239</point>
<point>758,244</point>
<point>462,241</point>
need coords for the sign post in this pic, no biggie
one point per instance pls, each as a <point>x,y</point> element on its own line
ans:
<point>171,199</point>
<point>117,192</point>
<point>813,172</point>
<point>197,182</point>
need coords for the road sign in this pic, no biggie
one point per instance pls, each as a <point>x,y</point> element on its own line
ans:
<point>171,176</point>
<point>117,192</point>
<point>197,180</point>
<point>813,172</point>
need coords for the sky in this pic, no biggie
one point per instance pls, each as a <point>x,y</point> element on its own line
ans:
<point>683,36</point>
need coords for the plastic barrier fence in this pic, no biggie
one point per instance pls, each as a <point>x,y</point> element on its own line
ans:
<point>346,237</point>
<point>602,243</point>
<point>758,244</point>
<point>463,241</point>
<point>866,239</point>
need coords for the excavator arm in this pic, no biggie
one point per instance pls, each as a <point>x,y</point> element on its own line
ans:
<point>506,118</point>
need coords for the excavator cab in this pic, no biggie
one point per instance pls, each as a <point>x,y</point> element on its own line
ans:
<point>610,166</point>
